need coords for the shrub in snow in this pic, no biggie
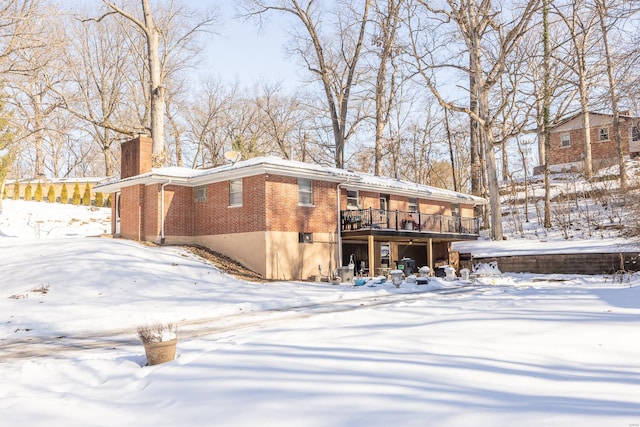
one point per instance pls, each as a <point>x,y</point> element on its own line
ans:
<point>4,193</point>
<point>27,191</point>
<point>37,196</point>
<point>75,199</point>
<point>158,332</point>
<point>86,197</point>
<point>108,204</point>
<point>16,190</point>
<point>51,194</point>
<point>64,194</point>
<point>99,200</point>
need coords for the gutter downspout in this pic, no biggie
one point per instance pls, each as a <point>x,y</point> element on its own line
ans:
<point>162,211</point>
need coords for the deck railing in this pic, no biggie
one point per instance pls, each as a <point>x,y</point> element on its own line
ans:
<point>372,218</point>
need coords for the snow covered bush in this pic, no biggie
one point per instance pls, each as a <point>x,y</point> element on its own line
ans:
<point>157,332</point>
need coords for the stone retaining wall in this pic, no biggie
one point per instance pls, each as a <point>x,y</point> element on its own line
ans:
<point>585,263</point>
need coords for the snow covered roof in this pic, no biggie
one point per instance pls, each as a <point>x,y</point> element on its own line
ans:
<point>597,119</point>
<point>278,166</point>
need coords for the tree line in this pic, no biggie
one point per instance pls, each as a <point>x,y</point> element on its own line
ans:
<point>432,91</point>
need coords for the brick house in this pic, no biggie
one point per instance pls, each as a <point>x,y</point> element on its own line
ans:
<point>287,219</point>
<point>567,141</point>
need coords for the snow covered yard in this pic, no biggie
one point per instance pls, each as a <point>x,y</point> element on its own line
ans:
<point>519,350</point>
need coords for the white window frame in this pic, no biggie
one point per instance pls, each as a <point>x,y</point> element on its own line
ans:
<point>353,199</point>
<point>305,192</point>
<point>413,204</point>
<point>200,193</point>
<point>235,192</point>
<point>383,204</point>
<point>565,140</point>
<point>603,134</point>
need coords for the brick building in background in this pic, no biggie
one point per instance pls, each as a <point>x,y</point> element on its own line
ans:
<point>568,136</point>
<point>287,219</point>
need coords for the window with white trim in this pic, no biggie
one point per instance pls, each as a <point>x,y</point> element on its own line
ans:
<point>413,204</point>
<point>565,140</point>
<point>235,192</point>
<point>603,134</point>
<point>200,193</point>
<point>352,199</point>
<point>305,192</point>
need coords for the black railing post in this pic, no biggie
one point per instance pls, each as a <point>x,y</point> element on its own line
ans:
<point>396,219</point>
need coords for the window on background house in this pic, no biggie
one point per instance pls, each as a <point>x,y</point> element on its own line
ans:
<point>565,140</point>
<point>455,210</point>
<point>635,133</point>
<point>201,193</point>
<point>413,204</point>
<point>235,192</point>
<point>305,192</point>
<point>383,203</point>
<point>603,134</point>
<point>352,199</point>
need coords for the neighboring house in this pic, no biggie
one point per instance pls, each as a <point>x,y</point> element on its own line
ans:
<point>568,136</point>
<point>287,219</point>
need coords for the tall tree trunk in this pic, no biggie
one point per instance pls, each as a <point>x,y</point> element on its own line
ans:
<point>493,187</point>
<point>602,9</point>
<point>451,156</point>
<point>155,86</point>
<point>38,135</point>
<point>586,124</point>
<point>546,107</point>
<point>476,187</point>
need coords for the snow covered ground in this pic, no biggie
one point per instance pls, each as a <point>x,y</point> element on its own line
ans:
<point>519,349</point>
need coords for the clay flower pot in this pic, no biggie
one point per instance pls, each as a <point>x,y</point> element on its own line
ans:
<point>159,342</point>
<point>160,352</point>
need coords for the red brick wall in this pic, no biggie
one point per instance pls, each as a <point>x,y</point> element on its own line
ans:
<point>151,219</point>
<point>369,199</point>
<point>284,214</point>
<point>599,150</point>
<point>178,208</point>
<point>215,216</point>
<point>131,204</point>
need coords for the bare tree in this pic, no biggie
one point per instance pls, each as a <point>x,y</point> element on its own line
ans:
<point>603,9</point>
<point>581,23</point>
<point>280,117</point>
<point>204,122</point>
<point>477,23</point>
<point>159,48</point>
<point>387,21</point>
<point>97,62</point>
<point>333,61</point>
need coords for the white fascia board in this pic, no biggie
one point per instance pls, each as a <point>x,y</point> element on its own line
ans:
<point>145,179</point>
<point>426,194</point>
<point>266,169</point>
